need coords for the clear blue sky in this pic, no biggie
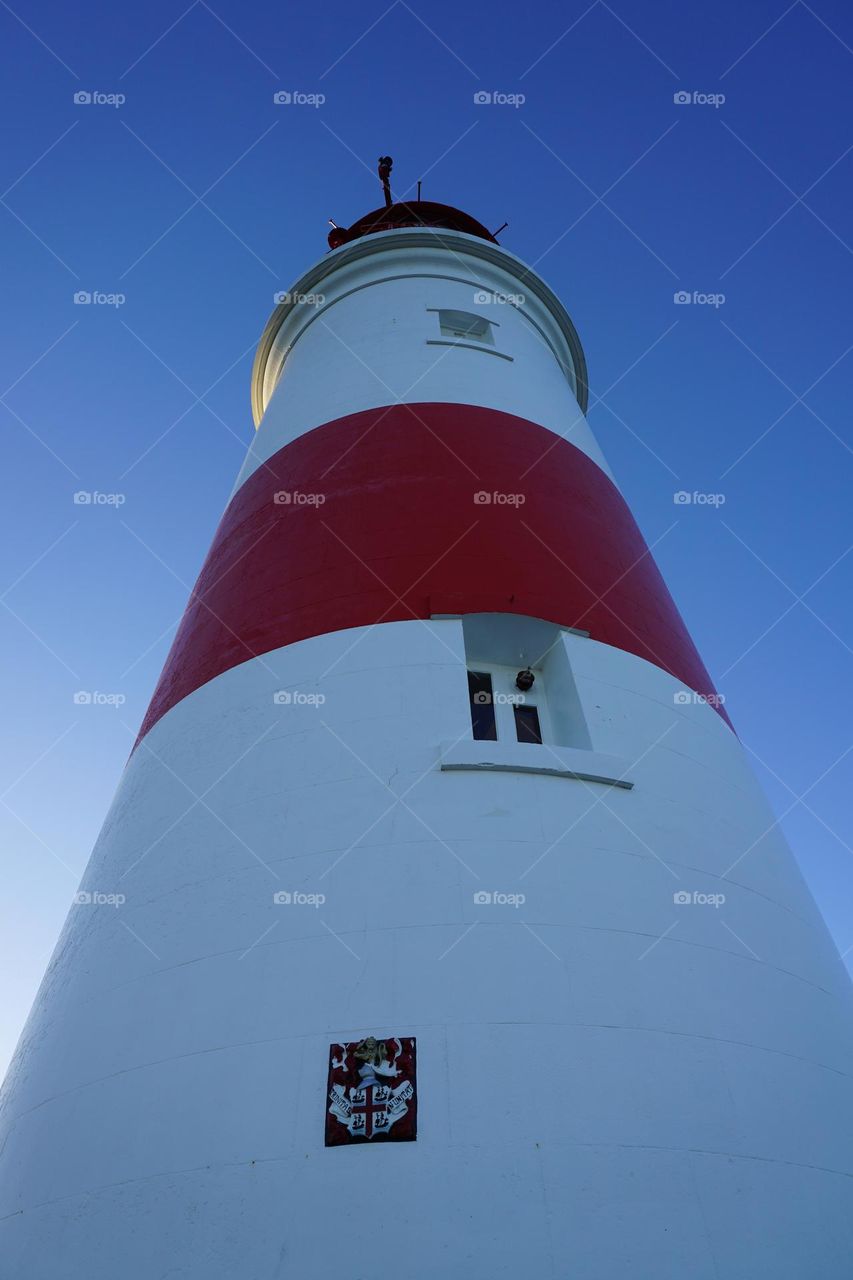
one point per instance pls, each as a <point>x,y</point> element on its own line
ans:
<point>749,198</point>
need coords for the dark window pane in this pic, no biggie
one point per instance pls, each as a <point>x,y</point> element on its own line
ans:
<point>527,723</point>
<point>482,705</point>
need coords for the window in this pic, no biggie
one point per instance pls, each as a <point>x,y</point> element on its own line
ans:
<point>462,324</point>
<point>527,723</point>
<point>482,705</point>
<point>500,711</point>
<point>500,645</point>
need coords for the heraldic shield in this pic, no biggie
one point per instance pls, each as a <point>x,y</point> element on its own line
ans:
<point>372,1092</point>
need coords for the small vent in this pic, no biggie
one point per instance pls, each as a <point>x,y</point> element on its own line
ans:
<point>462,324</point>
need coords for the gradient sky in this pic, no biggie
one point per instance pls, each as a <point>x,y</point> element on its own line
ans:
<point>198,198</point>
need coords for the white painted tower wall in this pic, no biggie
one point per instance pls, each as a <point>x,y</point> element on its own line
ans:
<point>610,1083</point>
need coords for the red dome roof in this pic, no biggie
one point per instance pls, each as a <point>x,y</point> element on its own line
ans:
<point>414,213</point>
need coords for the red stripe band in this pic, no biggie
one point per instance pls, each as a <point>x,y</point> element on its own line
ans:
<point>374,518</point>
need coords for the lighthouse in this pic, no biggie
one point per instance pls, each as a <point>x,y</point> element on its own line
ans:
<point>438,926</point>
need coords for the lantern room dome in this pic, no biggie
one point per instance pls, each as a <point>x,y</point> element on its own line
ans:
<point>412,213</point>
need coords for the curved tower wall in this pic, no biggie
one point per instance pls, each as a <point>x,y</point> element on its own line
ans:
<point>611,1081</point>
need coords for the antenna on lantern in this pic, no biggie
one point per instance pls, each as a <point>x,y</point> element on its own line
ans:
<point>386,164</point>
<point>397,214</point>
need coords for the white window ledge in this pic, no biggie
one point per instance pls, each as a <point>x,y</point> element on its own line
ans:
<point>528,757</point>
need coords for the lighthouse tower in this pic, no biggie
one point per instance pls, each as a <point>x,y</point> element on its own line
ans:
<point>457,939</point>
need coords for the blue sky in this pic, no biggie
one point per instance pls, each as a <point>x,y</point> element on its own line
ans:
<point>197,198</point>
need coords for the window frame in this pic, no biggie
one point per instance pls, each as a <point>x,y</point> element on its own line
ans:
<point>448,333</point>
<point>505,697</point>
<point>481,329</point>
